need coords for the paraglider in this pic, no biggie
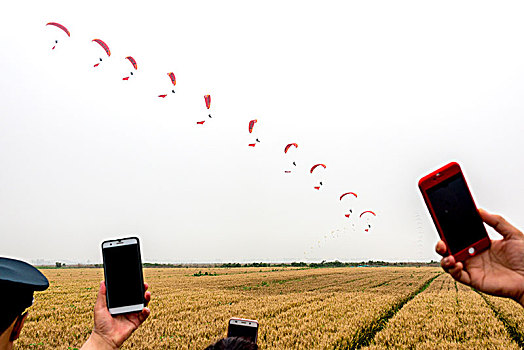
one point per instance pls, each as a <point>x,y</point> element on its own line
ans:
<point>104,46</point>
<point>173,79</point>
<point>58,25</point>
<point>251,126</point>
<point>313,169</point>
<point>171,76</point>
<point>285,151</point>
<point>350,194</point>
<point>367,223</point>
<point>207,99</point>
<point>133,62</point>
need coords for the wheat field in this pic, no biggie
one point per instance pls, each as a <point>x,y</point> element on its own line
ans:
<point>328,308</point>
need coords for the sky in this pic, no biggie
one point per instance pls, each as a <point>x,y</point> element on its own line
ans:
<point>380,92</point>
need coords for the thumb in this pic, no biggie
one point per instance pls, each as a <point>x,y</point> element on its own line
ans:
<point>500,224</point>
<point>101,302</point>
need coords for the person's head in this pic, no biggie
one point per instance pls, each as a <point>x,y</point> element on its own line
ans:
<point>18,281</point>
<point>233,343</point>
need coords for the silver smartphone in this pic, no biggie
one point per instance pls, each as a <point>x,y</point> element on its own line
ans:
<point>123,275</point>
<point>243,328</point>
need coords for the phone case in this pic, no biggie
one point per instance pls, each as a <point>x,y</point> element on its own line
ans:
<point>434,179</point>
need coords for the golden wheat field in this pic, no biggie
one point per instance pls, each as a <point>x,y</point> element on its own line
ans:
<point>328,308</point>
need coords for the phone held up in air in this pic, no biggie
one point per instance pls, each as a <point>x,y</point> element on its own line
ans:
<point>454,213</point>
<point>123,275</point>
<point>243,328</point>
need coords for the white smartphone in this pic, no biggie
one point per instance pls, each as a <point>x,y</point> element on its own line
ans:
<point>123,275</point>
<point>243,328</point>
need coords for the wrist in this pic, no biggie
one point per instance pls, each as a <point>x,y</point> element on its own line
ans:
<point>520,300</point>
<point>98,342</point>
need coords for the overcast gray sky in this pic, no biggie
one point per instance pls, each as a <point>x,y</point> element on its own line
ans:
<point>381,92</point>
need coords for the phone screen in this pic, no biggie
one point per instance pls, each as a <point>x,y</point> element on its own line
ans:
<point>247,332</point>
<point>123,275</point>
<point>456,213</point>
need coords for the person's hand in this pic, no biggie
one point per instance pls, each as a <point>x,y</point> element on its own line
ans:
<point>498,270</point>
<point>111,331</point>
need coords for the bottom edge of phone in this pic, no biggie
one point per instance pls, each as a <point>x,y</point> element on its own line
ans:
<point>126,309</point>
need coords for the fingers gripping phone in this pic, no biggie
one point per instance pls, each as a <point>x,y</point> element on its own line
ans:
<point>123,275</point>
<point>453,211</point>
<point>243,328</point>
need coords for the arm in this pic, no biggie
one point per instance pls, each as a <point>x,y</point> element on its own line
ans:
<point>110,332</point>
<point>498,270</point>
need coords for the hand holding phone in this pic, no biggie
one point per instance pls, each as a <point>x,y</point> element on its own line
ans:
<point>453,211</point>
<point>123,275</point>
<point>109,330</point>
<point>499,271</point>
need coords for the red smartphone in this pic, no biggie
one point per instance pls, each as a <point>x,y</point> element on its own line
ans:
<point>454,213</point>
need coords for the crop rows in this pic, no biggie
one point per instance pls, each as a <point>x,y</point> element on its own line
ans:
<point>334,308</point>
<point>447,315</point>
<point>511,314</point>
<point>296,308</point>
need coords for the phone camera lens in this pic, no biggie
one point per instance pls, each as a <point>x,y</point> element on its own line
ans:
<point>438,174</point>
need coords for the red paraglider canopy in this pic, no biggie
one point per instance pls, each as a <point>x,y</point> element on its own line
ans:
<point>133,62</point>
<point>368,211</point>
<point>353,193</point>
<point>288,146</point>
<point>251,125</point>
<point>207,98</point>
<point>172,77</point>
<point>59,26</point>
<point>104,46</point>
<point>315,166</point>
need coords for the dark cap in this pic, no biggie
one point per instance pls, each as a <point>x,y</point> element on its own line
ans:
<point>19,274</point>
<point>18,281</point>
